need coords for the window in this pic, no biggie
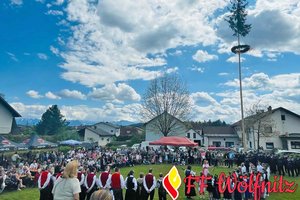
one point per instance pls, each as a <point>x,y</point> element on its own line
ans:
<point>188,135</point>
<point>216,144</point>
<point>269,145</point>
<point>107,139</point>
<point>282,117</point>
<point>111,130</point>
<point>250,144</point>
<point>268,129</point>
<point>194,134</point>
<point>295,145</point>
<point>102,138</point>
<point>229,144</point>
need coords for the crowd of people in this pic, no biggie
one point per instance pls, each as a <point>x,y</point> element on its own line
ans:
<point>47,169</point>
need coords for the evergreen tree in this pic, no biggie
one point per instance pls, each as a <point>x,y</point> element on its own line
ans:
<point>52,122</point>
<point>237,18</point>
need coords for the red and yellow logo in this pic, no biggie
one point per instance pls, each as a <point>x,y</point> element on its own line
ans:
<point>172,182</point>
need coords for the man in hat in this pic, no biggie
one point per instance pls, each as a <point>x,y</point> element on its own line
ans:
<point>116,183</point>
<point>90,182</point>
<point>149,185</point>
<point>45,184</point>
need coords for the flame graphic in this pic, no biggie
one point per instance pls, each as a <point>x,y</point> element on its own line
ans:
<point>172,182</point>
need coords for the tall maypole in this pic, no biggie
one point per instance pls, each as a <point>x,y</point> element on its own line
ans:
<point>237,22</point>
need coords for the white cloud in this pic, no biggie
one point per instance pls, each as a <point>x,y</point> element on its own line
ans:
<point>223,74</point>
<point>261,81</point>
<point>197,69</point>
<point>34,94</point>
<point>115,93</point>
<point>54,50</point>
<point>122,41</point>
<point>50,95</point>
<point>55,12</point>
<point>172,70</point>
<point>176,53</point>
<point>12,56</point>
<point>42,56</point>
<point>107,112</point>
<point>75,94</point>
<point>16,2</point>
<point>203,97</point>
<point>235,59</point>
<point>58,2</point>
<point>203,56</point>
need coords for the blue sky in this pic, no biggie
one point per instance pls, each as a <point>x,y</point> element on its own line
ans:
<point>95,58</point>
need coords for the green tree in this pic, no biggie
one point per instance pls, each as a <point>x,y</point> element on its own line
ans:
<point>237,18</point>
<point>52,122</point>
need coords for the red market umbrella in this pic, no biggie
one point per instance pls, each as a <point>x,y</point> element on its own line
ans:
<point>174,141</point>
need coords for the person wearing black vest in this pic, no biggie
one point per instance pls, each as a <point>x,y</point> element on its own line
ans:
<point>162,193</point>
<point>131,186</point>
<point>192,192</point>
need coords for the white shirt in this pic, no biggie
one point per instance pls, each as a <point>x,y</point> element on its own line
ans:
<point>153,185</point>
<point>134,183</point>
<point>108,182</point>
<point>64,189</point>
<point>99,183</point>
<point>243,169</point>
<point>259,168</point>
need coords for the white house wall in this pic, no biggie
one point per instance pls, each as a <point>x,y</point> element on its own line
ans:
<point>108,128</point>
<point>153,133</point>
<point>211,139</point>
<point>6,119</point>
<point>291,124</point>
<point>93,137</point>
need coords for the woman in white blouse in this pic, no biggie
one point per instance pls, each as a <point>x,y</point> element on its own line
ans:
<point>67,187</point>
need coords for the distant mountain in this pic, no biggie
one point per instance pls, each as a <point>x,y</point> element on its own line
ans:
<point>32,122</point>
<point>124,123</point>
<point>80,122</point>
<point>27,121</point>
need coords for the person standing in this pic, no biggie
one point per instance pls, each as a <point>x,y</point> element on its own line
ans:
<point>149,183</point>
<point>140,187</point>
<point>192,192</point>
<point>103,178</point>
<point>90,183</point>
<point>205,168</point>
<point>67,186</point>
<point>45,184</point>
<point>81,178</point>
<point>131,186</point>
<point>116,183</point>
<point>162,193</point>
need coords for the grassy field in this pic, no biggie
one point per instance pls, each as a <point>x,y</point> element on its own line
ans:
<point>33,194</point>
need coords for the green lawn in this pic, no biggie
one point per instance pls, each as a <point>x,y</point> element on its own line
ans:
<point>33,194</point>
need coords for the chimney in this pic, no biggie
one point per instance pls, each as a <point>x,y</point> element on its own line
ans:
<point>270,108</point>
